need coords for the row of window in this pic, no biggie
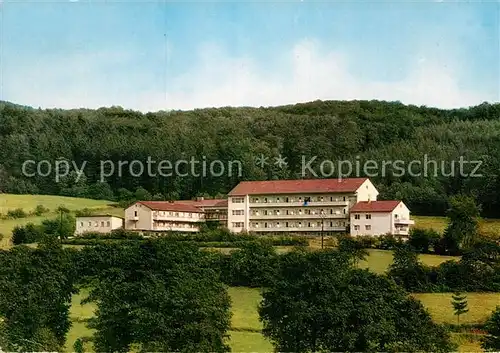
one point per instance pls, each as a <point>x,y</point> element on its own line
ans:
<point>173,214</point>
<point>96,224</point>
<point>358,216</point>
<point>291,199</point>
<point>367,227</point>
<point>308,211</point>
<point>290,224</point>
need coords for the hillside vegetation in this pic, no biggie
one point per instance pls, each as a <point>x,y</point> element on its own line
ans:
<point>331,130</point>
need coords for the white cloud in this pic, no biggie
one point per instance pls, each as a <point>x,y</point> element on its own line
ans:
<point>306,73</point>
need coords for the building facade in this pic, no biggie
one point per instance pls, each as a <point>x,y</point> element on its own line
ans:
<point>306,206</point>
<point>380,217</point>
<point>214,209</point>
<point>163,216</point>
<point>98,223</point>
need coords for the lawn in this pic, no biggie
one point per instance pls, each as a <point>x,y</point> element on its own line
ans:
<point>245,324</point>
<point>29,202</point>
<point>379,260</point>
<point>439,304</point>
<point>486,226</point>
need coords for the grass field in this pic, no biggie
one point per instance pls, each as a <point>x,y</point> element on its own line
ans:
<point>29,202</point>
<point>245,324</point>
<point>489,227</point>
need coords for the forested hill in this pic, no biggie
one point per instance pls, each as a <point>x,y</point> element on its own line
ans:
<point>331,130</point>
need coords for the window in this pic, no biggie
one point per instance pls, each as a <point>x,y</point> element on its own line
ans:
<point>331,198</point>
<point>368,227</point>
<point>108,224</point>
<point>357,216</point>
<point>319,224</point>
<point>135,213</point>
<point>356,227</point>
<point>344,211</point>
<point>238,224</point>
<point>286,199</point>
<point>265,225</point>
<point>238,200</point>
<point>90,224</point>
<point>308,211</point>
<point>368,216</point>
<point>308,224</point>
<point>265,212</point>
<point>277,199</point>
<point>344,198</point>
<point>238,212</point>
<point>277,224</point>
<point>396,216</point>
<point>81,224</point>
<point>96,224</point>
<point>331,210</point>
<point>286,224</point>
<point>331,224</point>
<point>321,199</point>
<point>265,199</point>
<point>176,214</point>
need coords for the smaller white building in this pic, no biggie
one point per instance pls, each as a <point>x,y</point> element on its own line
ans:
<point>379,218</point>
<point>98,223</point>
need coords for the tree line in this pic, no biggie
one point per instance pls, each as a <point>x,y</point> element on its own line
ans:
<point>331,130</point>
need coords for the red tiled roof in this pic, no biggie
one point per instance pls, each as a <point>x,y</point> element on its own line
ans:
<point>205,203</point>
<point>297,186</point>
<point>375,206</point>
<point>170,206</point>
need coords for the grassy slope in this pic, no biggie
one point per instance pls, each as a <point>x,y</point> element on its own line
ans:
<point>29,202</point>
<point>486,226</point>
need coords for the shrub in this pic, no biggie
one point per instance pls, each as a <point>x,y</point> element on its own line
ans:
<point>28,234</point>
<point>17,213</point>
<point>40,210</point>
<point>422,240</point>
<point>84,212</point>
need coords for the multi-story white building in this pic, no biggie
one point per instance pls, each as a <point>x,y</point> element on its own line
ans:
<point>163,216</point>
<point>307,206</point>
<point>380,217</point>
<point>98,223</point>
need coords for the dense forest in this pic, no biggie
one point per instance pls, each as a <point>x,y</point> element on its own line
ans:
<point>331,130</point>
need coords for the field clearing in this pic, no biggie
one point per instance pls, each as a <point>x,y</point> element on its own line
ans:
<point>487,226</point>
<point>439,304</point>
<point>29,202</point>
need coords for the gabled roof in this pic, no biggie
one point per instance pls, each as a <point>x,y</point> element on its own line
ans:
<point>297,186</point>
<point>375,206</point>
<point>170,206</point>
<point>205,203</point>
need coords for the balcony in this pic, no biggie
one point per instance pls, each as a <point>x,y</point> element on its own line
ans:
<point>299,204</point>
<point>297,229</point>
<point>299,216</point>
<point>176,218</point>
<point>403,221</point>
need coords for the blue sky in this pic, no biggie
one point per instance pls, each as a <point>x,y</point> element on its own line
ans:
<point>170,55</point>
